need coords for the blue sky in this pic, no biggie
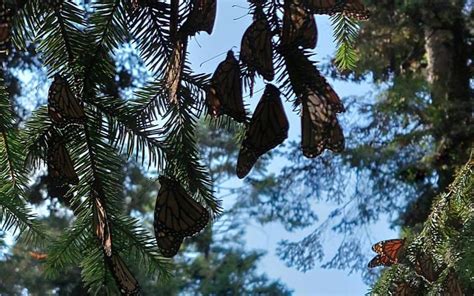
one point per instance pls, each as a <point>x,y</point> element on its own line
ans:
<point>231,22</point>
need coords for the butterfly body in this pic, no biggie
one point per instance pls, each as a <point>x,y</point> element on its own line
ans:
<point>176,216</point>
<point>268,128</point>
<point>388,252</point>
<point>224,95</point>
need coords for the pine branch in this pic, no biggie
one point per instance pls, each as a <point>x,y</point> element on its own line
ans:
<point>345,34</point>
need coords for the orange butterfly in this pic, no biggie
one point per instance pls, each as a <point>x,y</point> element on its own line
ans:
<point>224,95</point>
<point>299,26</point>
<point>101,223</point>
<point>60,167</point>
<point>38,255</point>
<point>4,29</point>
<point>268,129</point>
<point>124,278</point>
<point>256,49</point>
<point>201,17</point>
<point>388,252</point>
<point>176,216</point>
<point>63,106</point>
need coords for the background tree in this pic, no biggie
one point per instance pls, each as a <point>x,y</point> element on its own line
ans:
<point>404,142</point>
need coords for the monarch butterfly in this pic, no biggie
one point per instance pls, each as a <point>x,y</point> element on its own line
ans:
<point>63,106</point>
<point>256,47</point>
<point>388,252</point>
<point>60,166</point>
<point>201,17</point>
<point>4,29</point>
<point>124,279</point>
<point>268,128</point>
<point>177,215</point>
<point>101,224</point>
<point>299,26</point>
<point>38,255</point>
<point>224,96</point>
<point>424,267</point>
<point>319,126</point>
<point>351,8</point>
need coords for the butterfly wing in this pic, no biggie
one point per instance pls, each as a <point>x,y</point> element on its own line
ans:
<point>390,248</point>
<point>201,17</point>
<point>256,49</point>
<point>176,213</point>
<point>63,106</point>
<point>169,244</point>
<point>124,278</point>
<point>320,128</point>
<point>299,26</point>
<point>268,129</point>
<point>224,95</point>
<point>380,260</point>
<point>355,9</point>
<point>404,289</point>
<point>175,68</point>
<point>101,225</point>
<point>60,166</point>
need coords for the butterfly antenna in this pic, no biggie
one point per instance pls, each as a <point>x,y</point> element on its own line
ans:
<point>214,57</point>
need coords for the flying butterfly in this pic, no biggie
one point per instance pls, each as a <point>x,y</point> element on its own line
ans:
<point>268,129</point>
<point>388,252</point>
<point>101,222</point>
<point>224,95</point>
<point>60,167</point>
<point>256,50</point>
<point>299,26</point>
<point>176,216</point>
<point>351,8</point>
<point>4,29</point>
<point>320,128</point>
<point>63,106</point>
<point>201,17</point>
<point>124,278</point>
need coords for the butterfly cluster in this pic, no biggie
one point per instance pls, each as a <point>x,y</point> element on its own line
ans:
<point>319,103</point>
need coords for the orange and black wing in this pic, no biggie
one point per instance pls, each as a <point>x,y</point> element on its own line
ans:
<point>169,244</point>
<point>331,96</point>
<point>320,128</point>
<point>425,268</point>
<point>268,129</point>
<point>380,260</point>
<point>126,282</point>
<point>224,95</point>
<point>299,26</point>
<point>63,106</point>
<point>355,9</point>
<point>390,248</point>
<point>60,166</point>
<point>176,215</point>
<point>404,289</point>
<point>256,49</point>
<point>201,17</point>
